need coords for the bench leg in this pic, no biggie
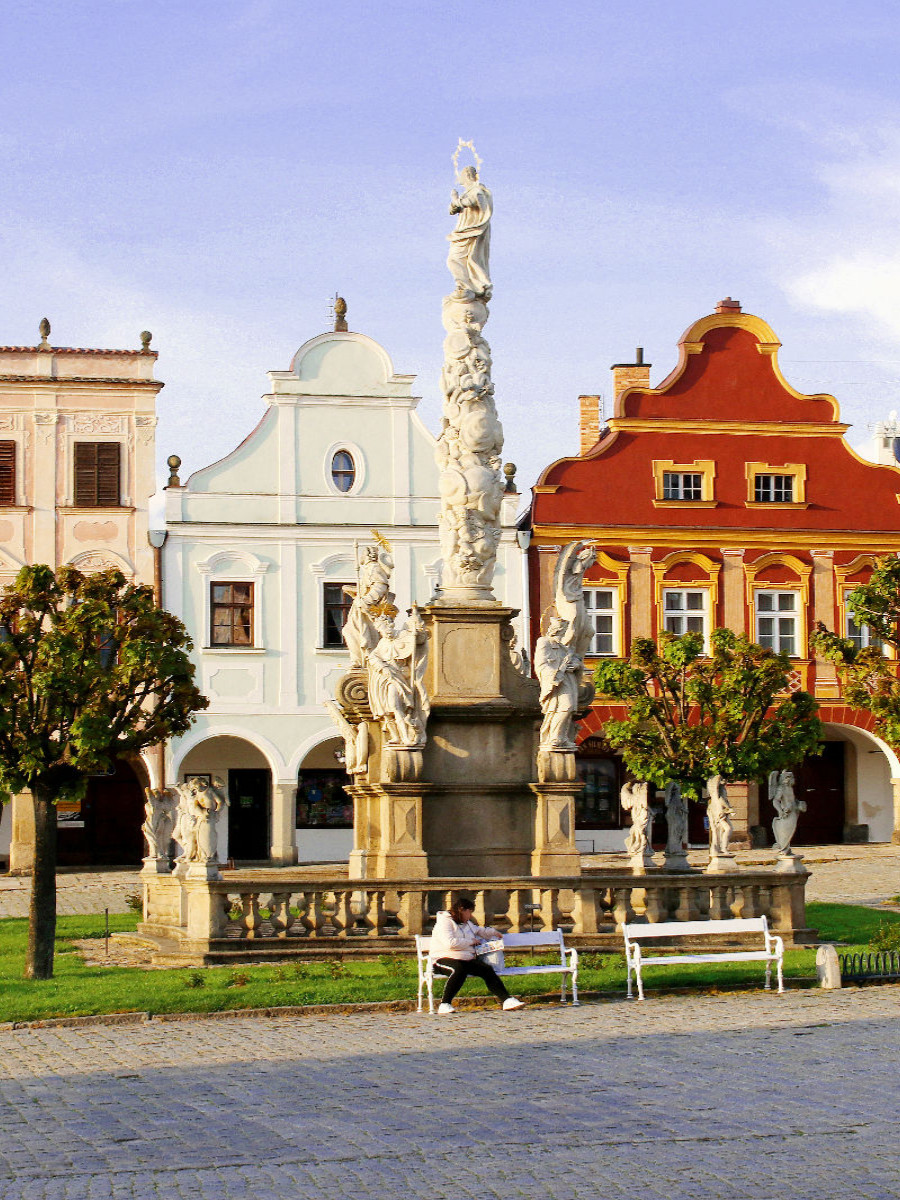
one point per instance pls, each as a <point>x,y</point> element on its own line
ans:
<point>780,978</point>
<point>640,984</point>
<point>575,1001</point>
<point>768,975</point>
<point>562,990</point>
<point>629,995</point>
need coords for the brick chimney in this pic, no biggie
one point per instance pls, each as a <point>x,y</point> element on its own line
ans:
<point>626,375</point>
<point>589,421</point>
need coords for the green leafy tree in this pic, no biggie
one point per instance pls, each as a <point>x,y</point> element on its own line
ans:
<point>868,679</point>
<point>90,669</point>
<point>692,715</point>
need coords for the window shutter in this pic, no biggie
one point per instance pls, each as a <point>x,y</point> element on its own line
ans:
<point>85,474</point>
<point>7,472</point>
<point>108,473</point>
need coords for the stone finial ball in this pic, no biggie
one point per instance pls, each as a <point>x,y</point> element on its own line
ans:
<point>509,470</point>
<point>146,339</point>
<point>173,462</point>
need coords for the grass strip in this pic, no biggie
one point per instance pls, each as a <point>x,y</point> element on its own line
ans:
<point>79,990</point>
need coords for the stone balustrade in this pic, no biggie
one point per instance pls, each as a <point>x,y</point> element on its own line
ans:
<point>279,914</point>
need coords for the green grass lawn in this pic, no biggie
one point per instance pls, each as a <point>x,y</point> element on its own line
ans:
<point>78,990</point>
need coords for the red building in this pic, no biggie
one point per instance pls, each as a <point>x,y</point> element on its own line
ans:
<point>724,497</point>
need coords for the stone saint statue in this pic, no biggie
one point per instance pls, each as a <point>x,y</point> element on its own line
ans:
<point>787,810</point>
<point>396,667</point>
<point>356,740</point>
<point>199,806</point>
<point>677,826</point>
<point>720,813</point>
<point>568,594</point>
<point>636,800</point>
<point>470,241</point>
<point>559,671</point>
<point>159,820</point>
<point>371,596</point>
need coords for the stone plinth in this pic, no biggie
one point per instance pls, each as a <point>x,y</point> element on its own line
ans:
<point>468,803</point>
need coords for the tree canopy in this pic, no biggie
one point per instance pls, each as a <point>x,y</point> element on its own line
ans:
<point>693,714</point>
<point>868,679</point>
<point>91,669</point>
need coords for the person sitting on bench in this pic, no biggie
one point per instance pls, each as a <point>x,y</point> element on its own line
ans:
<point>453,945</point>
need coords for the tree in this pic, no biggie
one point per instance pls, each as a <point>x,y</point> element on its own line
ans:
<point>692,715</point>
<point>90,669</point>
<point>868,679</point>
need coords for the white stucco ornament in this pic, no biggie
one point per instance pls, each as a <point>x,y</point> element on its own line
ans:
<point>471,438</point>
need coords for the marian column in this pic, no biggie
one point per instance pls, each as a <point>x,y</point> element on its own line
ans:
<point>471,438</point>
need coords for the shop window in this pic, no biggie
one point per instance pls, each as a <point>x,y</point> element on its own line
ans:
<point>597,807</point>
<point>777,621</point>
<point>322,802</point>
<point>97,471</point>
<point>231,606</point>
<point>602,606</point>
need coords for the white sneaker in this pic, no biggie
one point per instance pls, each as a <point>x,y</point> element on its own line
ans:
<point>445,1009</point>
<point>511,1003</point>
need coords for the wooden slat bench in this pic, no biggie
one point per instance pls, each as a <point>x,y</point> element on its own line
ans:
<point>552,940</point>
<point>771,952</point>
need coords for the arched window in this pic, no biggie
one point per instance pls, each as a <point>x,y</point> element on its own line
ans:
<point>343,471</point>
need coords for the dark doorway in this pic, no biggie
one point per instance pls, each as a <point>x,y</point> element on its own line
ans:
<point>819,781</point>
<point>106,828</point>
<point>248,814</point>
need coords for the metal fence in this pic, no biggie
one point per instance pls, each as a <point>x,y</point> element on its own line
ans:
<point>879,966</point>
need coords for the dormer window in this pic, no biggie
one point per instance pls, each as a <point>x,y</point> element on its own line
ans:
<point>343,470</point>
<point>773,489</point>
<point>682,485</point>
<point>769,484</point>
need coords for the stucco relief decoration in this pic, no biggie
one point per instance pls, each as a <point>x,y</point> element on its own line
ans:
<point>89,563</point>
<point>145,429</point>
<point>97,423</point>
<point>10,421</point>
<point>45,423</point>
<point>471,437</point>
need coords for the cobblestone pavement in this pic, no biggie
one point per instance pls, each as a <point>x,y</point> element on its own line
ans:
<point>707,1098</point>
<point>852,874</point>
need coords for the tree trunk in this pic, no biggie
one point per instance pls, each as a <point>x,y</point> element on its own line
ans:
<point>42,910</point>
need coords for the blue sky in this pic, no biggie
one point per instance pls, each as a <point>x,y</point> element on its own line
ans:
<point>215,172</point>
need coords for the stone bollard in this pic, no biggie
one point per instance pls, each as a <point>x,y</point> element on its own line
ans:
<point>828,968</point>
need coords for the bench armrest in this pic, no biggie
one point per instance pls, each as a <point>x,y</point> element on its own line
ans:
<point>775,944</point>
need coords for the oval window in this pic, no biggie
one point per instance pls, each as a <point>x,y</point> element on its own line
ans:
<point>343,472</point>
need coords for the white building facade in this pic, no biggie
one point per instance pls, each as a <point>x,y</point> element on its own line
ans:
<point>259,548</point>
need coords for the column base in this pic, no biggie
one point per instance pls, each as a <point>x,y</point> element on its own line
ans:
<point>156,866</point>
<point>721,864</point>
<point>789,864</point>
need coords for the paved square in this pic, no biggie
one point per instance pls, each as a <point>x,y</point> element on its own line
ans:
<point>726,1097</point>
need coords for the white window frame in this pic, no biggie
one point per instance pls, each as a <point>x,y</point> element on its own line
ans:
<point>686,612</point>
<point>680,490</point>
<point>777,613</point>
<point>614,611</point>
<point>359,466</point>
<point>230,566</point>
<point>863,638</point>
<point>771,477</point>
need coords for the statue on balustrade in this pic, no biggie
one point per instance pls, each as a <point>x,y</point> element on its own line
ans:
<point>676,826</point>
<point>160,812</point>
<point>396,667</point>
<point>787,810</point>
<point>719,812</point>
<point>371,597</point>
<point>201,801</point>
<point>559,670</point>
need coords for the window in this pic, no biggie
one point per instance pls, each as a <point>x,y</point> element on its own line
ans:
<point>96,474</point>
<point>336,606</point>
<point>773,489</point>
<point>322,802</point>
<point>602,612</point>
<point>860,635</point>
<point>684,610</point>
<point>597,806</point>
<point>776,621</point>
<point>7,473</point>
<point>682,486</point>
<point>232,614</point>
<point>343,471</point>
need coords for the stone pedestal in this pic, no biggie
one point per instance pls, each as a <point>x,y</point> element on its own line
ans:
<point>789,864</point>
<point>676,862</point>
<point>721,864</point>
<point>203,870</point>
<point>156,866</point>
<point>469,804</point>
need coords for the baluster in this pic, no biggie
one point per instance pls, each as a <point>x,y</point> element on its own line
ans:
<point>412,913</point>
<point>549,909</point>
<point>479,916</point>
<point>700,902</point>
<point>585,917</point>
<point>621,905</point>
<point>280,913</point>
<point>375,906</point>
<point>654,906</point>
<point>516,913</point>
<point>682,909</point>
<point>347,911</point>
<point>736,906</point>
<point>250,919</point>
<point>718,903</point>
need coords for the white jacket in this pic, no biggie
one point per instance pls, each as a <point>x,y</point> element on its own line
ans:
<point>450,940</point>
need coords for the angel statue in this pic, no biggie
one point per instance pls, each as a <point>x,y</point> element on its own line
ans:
<point>371,596</point>
<point>559,671</point>
<point>568,594</point>
<point>396,667</point>
<point>356,740</point>
<point>787,810</point>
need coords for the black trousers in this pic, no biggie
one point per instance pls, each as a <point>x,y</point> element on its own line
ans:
<point>459,971</point>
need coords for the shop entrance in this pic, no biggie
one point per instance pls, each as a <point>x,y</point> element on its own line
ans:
<point>248,814</point>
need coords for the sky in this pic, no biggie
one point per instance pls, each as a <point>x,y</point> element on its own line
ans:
<point>215,172</point>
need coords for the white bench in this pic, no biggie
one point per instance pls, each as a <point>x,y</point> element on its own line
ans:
<point>511,941</point>
<point>772,951</point>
